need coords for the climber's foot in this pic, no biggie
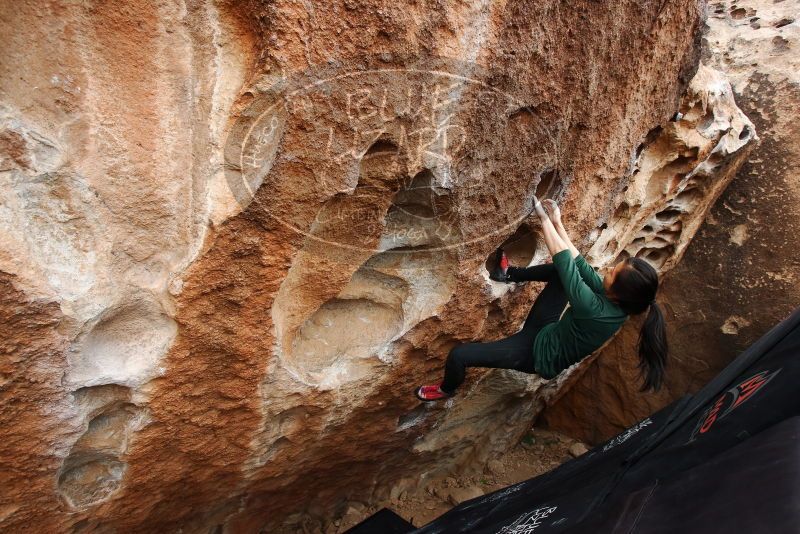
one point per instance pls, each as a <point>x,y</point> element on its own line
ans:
<point>500,271</point>
<point>431,393</point>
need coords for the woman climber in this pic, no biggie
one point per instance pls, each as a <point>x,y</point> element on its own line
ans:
<point>549,342</point>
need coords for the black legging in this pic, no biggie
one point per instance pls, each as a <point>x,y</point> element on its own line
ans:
<point>516,351</point>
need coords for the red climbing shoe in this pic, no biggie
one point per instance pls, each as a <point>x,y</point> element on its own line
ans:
<point>500,271</point>
<point>431,393</point>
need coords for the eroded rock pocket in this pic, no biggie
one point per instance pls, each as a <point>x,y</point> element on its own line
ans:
<point>409,278</point>
<point>94,468</point>
<point>520,248</point>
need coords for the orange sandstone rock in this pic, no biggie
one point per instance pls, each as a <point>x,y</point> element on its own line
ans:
<point>236,235</point>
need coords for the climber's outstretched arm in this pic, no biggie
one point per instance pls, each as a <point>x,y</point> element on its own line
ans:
<point>551,238</point>
<point>587,273</point>
<point>555,217</point>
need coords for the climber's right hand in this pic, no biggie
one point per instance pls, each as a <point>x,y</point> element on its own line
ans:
<point>552,210</point>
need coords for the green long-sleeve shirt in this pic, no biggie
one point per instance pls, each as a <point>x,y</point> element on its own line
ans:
<point>587,323</point>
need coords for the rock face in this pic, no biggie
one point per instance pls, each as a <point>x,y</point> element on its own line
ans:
<point>236,235</point>
<point>740,275</point>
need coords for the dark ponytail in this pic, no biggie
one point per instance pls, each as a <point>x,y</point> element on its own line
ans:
<point>634,290</point>
<point>653,349</point>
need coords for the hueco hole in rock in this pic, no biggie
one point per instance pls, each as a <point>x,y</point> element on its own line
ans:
<point>273,266</point>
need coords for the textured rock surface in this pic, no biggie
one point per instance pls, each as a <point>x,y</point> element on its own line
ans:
<point>740,275</point>
<point>203,322</point>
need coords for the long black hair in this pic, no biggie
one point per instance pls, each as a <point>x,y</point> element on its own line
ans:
<point>634,290</point>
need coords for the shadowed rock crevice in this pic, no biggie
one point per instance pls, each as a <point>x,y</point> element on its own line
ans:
<point>550,185</point>
<point>520,247</point>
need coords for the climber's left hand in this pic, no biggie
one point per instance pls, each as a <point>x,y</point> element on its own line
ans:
<point>539,208</point>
